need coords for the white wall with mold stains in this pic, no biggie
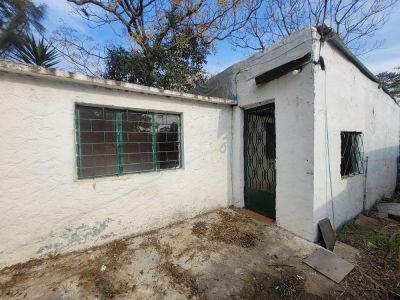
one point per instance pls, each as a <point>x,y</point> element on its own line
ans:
<point>293,95</point>
<point>45,208</point>
<point>353,103</point>
<point>346,100</point>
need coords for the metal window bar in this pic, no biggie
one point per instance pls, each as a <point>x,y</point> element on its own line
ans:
<point>78,149</point>
<point>352,153</point>
<point>117,142</point>
<point>260,149</point>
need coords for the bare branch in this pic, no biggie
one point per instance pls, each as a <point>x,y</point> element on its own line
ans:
<point>82,54</point>
<point>356,21</point>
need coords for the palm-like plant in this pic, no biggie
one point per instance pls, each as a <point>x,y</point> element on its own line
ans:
<point>36,53</point>
<point>17,19</point>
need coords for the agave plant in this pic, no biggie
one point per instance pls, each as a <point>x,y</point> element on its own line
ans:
<point>36,53</point>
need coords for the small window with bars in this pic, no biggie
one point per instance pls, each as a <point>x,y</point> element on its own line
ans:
<point>116,142</point>
<point>352,151</point>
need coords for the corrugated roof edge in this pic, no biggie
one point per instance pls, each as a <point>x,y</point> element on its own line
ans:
<point>57,74</point>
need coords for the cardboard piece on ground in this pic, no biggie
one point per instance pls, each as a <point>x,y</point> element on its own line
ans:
<point>347,252</point>
<point>328,235</point>
<point>389,208</point>
<point>329,264</point>
<point>368,222</point>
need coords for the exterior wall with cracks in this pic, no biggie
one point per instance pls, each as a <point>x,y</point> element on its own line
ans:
<point>346,100</point>
<point>44,208</point>
<point>293,95</point>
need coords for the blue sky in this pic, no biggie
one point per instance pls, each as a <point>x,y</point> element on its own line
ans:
<point>382,59</point>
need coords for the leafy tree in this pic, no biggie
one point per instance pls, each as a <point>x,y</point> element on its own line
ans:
<point>35,52</point>
<point>170,39</point>
<point>391,81</point>
<point>176,65</point>
<point>17,19</point>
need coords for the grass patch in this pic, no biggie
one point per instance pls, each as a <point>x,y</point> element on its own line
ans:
<point>377,271</point>
<point>380,240</point>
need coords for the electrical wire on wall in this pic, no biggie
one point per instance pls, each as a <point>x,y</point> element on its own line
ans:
<point>328,154</point>
<point>323,67</point>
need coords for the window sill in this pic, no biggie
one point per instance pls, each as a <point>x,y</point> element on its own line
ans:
<point>124,177</point>
<point>351,175</point>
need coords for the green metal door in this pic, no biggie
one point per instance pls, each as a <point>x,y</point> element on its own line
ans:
<point>259,160</point>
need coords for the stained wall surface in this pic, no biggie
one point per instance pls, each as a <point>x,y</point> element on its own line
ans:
<point>346,100</point>
<point>44,207</point>
<point>293,95</point>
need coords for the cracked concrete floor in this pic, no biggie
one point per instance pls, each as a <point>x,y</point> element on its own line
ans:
<point>219,255</point>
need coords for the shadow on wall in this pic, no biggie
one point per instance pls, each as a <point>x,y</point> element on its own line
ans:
<point>348,192</point>
<point>225,136</point>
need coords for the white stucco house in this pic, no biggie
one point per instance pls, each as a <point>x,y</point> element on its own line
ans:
<point>298,132</point>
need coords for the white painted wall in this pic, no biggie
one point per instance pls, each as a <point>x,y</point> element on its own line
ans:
<point>352,102</point>
<point>237,157</point>
<point>43,206</point>
<point>293,95</point>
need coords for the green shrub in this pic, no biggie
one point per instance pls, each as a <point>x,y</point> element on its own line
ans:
<point>380,240</point>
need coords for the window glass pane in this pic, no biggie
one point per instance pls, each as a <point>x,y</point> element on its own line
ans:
<point>90,113</point>
<point>137,122</point>
<point>168,141</point>
<point>98,142</point>
<point>352,153</point>
<point>137,146</point>
<point>115,142</point>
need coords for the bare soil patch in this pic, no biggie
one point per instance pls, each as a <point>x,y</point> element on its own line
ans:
<point>94,271</point>
<point>373,277</point>
<point>231,228</point>
<point>199,228</point>
<point>97,276</point>
<point>220,255</point>
<point>182,279</point>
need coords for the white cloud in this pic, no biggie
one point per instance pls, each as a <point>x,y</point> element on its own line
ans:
<point>387,57</point>
<point>383,59</point>
<point>215,68</point>
<point>60,12</point>
<point>384,65</point>
<point>59,5</point>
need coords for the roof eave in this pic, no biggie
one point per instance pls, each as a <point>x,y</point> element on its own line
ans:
<point>338,44</point>
<point>283,69</point>
<point>61,75</point>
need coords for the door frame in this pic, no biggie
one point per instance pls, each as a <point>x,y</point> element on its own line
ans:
<point>255,193</point>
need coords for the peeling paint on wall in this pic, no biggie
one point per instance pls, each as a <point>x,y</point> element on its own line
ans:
<point>41,194</point>
<point>73,236</point>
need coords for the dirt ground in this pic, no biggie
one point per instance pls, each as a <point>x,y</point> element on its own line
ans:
<point>220,255</point>
<point>377,274</point>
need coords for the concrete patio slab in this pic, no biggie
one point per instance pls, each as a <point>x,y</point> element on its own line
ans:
<point>219,255</point>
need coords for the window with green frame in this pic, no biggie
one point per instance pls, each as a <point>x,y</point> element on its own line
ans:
<point>116,142</point>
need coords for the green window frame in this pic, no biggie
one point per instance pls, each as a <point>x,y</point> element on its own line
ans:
<point>352,153</point>
<point>115,142</point>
